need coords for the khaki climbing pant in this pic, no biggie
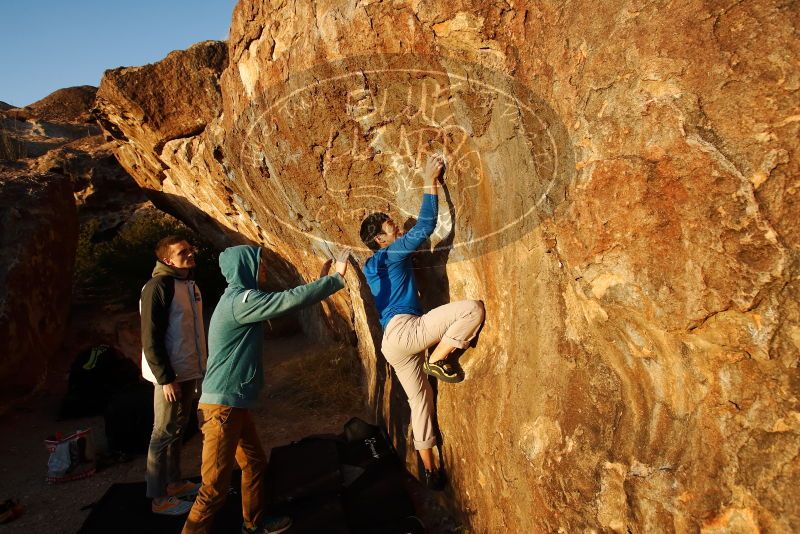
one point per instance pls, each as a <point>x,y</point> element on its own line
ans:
<point>404,339</point>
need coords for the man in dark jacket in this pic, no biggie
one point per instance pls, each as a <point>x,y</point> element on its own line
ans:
<point>234,379</point>
<point>173,359</point>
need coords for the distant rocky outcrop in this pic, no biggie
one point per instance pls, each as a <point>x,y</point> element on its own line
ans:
<point>59,134</point>
<point>37,252</point>
<point>621,192</point>
<point>56,120</point>
<point>54,164</point>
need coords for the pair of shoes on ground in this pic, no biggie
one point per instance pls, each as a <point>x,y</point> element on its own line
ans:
<point>442,370</point>
<point>435,480</point>
<point>270,525</point>
<point>173,503</point>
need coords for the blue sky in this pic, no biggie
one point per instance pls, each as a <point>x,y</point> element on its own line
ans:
<point>49,44</point>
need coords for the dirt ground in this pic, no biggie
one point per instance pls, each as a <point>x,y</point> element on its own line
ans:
<point>59,508</point>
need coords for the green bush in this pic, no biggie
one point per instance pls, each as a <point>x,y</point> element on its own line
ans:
<point>114,271</point>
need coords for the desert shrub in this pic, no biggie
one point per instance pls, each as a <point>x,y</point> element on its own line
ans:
<point>11,149</point>
<point>115,270</point>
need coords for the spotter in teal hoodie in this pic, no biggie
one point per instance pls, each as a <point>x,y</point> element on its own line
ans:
<point>235,372</point>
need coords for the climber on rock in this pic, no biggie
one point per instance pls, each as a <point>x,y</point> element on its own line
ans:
<point>407,331</point>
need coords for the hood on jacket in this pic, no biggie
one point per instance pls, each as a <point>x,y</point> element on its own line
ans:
<point>162,269</point>
<point>239,266</point>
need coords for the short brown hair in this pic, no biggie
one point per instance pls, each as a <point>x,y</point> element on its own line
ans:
<point>162,247</point>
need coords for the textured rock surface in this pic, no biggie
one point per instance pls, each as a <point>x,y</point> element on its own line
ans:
<point>59,162</point>
<point>156,110</point>
<point>53,121</point>
<point>39,234</point>
<point>71,104</point>
<point>160,118</point>
<point>104,191</point>
<point>622,192</point>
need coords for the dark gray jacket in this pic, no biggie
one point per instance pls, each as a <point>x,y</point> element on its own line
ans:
<point>173,335</point>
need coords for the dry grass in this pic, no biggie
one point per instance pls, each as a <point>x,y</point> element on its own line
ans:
<point>11,149</point>
<point>328,378</point>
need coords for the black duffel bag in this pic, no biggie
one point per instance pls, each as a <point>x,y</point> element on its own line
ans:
<point>302,469</point>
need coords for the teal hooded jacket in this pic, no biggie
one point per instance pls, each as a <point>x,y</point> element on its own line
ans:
<point>235,372</point>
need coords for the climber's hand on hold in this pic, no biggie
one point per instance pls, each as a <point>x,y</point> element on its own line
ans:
<point>434,169</point>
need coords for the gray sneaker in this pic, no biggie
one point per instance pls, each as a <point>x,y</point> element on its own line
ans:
<point>171,506</point>
<point>270,525</point>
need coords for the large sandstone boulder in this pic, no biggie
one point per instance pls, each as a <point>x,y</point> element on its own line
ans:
<point>621,192</point>
<point>152,111</point>
<point>37,252</point>
<point>160,119</point>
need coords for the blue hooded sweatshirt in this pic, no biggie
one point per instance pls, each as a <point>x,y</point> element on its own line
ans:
<point>389,272</point>
<point>235,372</point>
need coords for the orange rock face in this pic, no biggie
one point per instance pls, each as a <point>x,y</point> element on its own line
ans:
<point>622,192</point>
<point>40,233</point>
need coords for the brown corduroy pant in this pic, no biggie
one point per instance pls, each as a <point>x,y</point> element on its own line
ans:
<point>229,436</point>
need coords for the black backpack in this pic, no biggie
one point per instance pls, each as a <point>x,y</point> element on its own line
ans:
<point>97,373</point>
<point>129,418</point>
